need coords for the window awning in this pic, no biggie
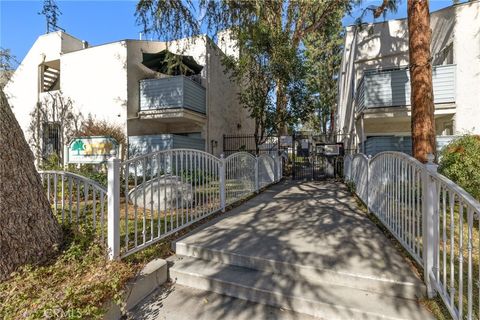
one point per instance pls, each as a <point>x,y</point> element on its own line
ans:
<point>169,63</point>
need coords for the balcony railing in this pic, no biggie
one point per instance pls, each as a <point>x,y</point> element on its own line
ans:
<point>391,88</point>
<point>176,92</point>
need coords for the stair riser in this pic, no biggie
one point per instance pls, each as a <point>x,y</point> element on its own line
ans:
<point>313,308</point>
<point>406,291</point>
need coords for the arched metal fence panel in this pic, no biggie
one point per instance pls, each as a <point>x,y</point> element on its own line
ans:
<point>266,170</point>
<point>239,176</point>
<point>359,171</point>
<point>163,192</point>
<point>77,200</point>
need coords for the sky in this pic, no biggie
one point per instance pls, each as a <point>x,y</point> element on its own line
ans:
<point>103,21</point>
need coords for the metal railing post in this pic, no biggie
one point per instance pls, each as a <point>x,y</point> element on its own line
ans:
<point>351,168</point>
<point>113,222</point>
<point>430,223</point>
<point>222,183</point>
<point>368,183</point>
<point>280,168</point>
<point>256,175</point>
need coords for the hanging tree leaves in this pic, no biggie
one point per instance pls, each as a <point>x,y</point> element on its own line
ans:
<point>323,55</point>
<point>281,25</point>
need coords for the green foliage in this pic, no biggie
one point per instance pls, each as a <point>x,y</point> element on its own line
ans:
<point>350,186</point>
<point>323,58</point>
<point>460,162</point>
<point>56,109</point>
<point>52,162</point>
<point>95,172</point>
<point>92,171</point>
<point>270,37</point>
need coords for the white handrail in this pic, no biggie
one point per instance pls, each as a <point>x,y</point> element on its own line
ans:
<point>76,176</point>
<point>151,154</point>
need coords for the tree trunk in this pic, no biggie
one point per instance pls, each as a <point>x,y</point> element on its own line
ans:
<point>281,105</point>
<point>423,120</point>
<point>29,232</point>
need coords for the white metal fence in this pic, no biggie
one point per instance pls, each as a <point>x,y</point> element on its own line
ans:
<point>432,217</point>
<point>153,196</point>
<point>77,200</point>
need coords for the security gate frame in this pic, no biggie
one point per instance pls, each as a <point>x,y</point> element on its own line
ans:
<point>311,159</point>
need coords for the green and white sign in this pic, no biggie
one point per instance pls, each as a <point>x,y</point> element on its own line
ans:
<point>91,149</point>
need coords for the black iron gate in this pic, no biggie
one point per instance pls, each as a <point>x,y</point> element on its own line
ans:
<point>316,157</point>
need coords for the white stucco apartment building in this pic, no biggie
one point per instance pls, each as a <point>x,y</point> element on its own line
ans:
<point>374,83</point>
<point>110,82</point>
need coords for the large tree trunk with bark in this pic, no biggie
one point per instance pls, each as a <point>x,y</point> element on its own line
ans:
<point>423,120</point>
<point>29,233</point>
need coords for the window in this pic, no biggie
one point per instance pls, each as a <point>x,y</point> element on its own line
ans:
<point>51,142</point>
<point>50,76</point>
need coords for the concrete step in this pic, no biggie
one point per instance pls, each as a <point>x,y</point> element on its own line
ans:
<point>406,286</point>
<point>176,302</point>
<point>327,300</point>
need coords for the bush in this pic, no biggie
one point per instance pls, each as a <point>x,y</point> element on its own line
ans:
<point>91,171</point>
<point>52,162</point>
<point>77,284</point>
<point>460,162</point>
<point>94,127</point>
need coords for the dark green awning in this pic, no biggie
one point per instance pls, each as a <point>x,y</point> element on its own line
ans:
<point>171,64</point>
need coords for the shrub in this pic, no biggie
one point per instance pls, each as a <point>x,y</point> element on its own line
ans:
<point>91,171</point>
<point>460,162</point>
<point>52,162</point>
<point>77,284</point>
<point>94,127</point>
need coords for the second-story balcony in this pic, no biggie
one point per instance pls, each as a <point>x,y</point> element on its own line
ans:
<point>391,88</point>
<point>172,97</point>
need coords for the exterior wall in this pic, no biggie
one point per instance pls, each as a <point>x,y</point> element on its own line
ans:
<point>225,113</point>
<point>23,89</point>
<point>136,71</point>
<point>467,57</point>
<point>96,80</point>
<point>227,44</point>
<point>103,81</point>
<point>455,40</point>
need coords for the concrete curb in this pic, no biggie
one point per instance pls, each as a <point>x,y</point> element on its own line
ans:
<point>153,275</point>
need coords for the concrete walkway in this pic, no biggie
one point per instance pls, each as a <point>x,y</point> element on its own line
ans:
<point>304,247</point>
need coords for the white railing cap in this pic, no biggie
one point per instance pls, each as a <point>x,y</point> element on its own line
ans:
<point>76,176</point>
